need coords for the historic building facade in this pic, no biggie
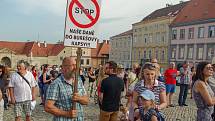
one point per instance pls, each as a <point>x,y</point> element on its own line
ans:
<point>193,33</point>
<point>121,48</point>
<point>151,35</point>
<point>100,55</point>
<point>37,53</point>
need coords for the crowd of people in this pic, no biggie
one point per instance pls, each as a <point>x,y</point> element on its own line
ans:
<point>146,90</point>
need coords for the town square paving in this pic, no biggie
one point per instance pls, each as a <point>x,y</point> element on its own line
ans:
<point>92,112</point>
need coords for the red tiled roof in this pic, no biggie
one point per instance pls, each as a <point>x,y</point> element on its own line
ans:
<point>104,50</point>
<point>101,50</point>
<point>196,10</point>
<point>171,10</point>
<point>16,47</point>
<point>26,48</point>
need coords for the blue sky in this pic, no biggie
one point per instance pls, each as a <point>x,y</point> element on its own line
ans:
<point>23,20</point>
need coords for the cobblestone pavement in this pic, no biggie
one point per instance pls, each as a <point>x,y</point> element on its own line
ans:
<point>92,111</point>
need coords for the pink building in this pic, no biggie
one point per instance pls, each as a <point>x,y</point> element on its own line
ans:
<point>193,33</point>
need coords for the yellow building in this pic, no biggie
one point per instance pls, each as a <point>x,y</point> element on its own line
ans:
<point>151,35</point>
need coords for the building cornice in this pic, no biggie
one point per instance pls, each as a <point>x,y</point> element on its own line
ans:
<point>193,22</point>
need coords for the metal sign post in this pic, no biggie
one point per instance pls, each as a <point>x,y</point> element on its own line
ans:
<point>78,64</point>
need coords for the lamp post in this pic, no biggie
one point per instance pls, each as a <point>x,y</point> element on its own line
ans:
<point>131,49</point>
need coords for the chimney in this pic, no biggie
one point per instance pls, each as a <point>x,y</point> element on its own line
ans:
<point>104,41</point>
<point>45,44</point>
<point>181,1</point>
<point>168,5</point>
<point>38,43</point>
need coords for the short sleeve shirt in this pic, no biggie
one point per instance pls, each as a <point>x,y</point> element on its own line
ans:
<point>22,91</point>
<point>111,87</point>
<point>157,89</point>
<point>61,92</point>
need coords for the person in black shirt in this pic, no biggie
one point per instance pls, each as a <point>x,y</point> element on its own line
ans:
<point>111,88</point>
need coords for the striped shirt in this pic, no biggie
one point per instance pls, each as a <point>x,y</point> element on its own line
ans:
<point>157,89</point>
<point>61,92</point>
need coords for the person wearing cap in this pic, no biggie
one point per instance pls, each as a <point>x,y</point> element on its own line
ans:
<point>148,81</point>
<point>146,111</point>
<point>120,71</point>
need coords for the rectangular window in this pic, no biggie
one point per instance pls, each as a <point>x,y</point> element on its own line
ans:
<point>173,54</point>
<point>200,51</point>
<point>174,34</point>
<point>157,37</point>
<point>150,54</point>
<point>201,32</point>
<point>82,61</point>
<point>191,33</point>
<point>182,33</point>
<point>211,31</point>
<point>210,51</point>
<point>144,54</point>
<point>163,56</point>
<point>181,52</point>
<point>163,37</point>
<point>88,62</point>
<point>145,38</point>
<point>135,38</point>
<point>150,38</point>
<point>156,54</point>
<point>190,52</point>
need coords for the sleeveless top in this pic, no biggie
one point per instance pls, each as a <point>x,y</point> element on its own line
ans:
<point>204,111</point>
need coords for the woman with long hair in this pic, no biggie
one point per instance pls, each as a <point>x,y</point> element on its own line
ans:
<point>4,81</point>
<point>92,79</point>
<point>46,80</point>
<point>1,93</point>
<point>34,72</point>
<point>148,80</point>
<point>202,92</point>
<point>101,76</point>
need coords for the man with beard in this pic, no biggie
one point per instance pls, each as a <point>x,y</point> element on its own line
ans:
<point>59,96</point>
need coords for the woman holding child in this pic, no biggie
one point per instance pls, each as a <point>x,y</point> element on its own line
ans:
<point>148,81</point>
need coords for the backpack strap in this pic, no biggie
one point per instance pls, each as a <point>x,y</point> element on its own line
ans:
<point>24,79</point>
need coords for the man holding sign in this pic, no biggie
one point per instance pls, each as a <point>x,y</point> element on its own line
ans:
<point>59,96</point>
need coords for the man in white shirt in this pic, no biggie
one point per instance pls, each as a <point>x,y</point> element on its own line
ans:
<point>21,92</point>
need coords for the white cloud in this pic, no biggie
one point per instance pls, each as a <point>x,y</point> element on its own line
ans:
<point>56,7</point>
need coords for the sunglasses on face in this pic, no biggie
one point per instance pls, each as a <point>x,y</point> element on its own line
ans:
<point>149,66</point>
<point>209,68</point>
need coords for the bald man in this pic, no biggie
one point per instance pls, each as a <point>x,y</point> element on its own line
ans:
<point>59,96</point>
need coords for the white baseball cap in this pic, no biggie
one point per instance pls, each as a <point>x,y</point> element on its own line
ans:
<point>148,95</point>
